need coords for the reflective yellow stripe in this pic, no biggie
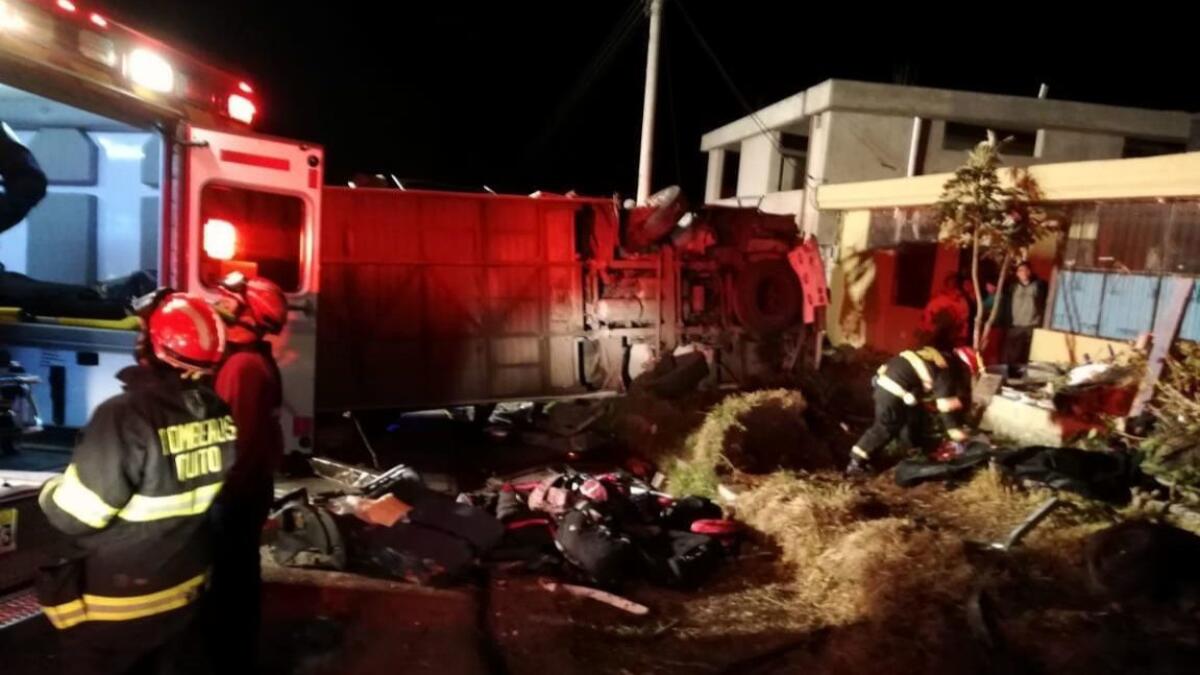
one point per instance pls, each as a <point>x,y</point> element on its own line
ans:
<point>106,608</point>
<point>893,387</point>
<point>73,497</point>
<point>957,434</point>
<point>859,452</point>
<point>918,364</point>
<point>949,404</point>
<point>933,356</point>
<point>141,508</point>
<point>66,615</point>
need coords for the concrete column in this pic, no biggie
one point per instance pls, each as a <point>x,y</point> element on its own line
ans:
<point>825,229</point>
<point>758,172</point>
<point>712,182</point>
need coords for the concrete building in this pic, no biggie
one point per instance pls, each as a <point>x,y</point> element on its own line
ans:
<point>843,131</point>
<point>1129,226</point>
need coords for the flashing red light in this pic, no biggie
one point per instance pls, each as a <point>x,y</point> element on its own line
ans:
<point>245,87</point>
<point>241,108</point>
<point>99,20</point>
<point>220,239</point>
<point>66,5</point>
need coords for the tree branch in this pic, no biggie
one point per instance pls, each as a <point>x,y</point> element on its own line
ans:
<point>991,321</point>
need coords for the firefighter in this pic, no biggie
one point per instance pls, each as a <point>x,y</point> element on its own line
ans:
<point>249,382</point>
<point>903,385</point>
<point>134,500</point>
<point>24,181</point>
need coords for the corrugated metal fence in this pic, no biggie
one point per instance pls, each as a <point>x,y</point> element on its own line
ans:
<point>1115,305</point>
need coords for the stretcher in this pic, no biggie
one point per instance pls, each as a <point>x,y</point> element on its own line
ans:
<point>17,315</point>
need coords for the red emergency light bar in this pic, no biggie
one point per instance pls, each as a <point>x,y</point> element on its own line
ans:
<point>71,35</point>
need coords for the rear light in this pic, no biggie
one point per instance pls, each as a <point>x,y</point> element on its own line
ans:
<point>220,239</point>
<point>66,5</point>
<point>241,108</point>
<point>246,88</point>
<point>150,70</point>
<point>98,20</point>
<point>10,19</point>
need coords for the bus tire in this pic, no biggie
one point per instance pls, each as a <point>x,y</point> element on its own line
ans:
<point>767,296</point>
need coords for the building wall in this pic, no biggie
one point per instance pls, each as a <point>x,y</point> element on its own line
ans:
<point>863,146</point>
<point>758,170</point>
<point>1059,145</point>
<point>891,327</point>
<point>862,285</point>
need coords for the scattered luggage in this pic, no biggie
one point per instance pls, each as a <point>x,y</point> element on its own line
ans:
<point>603,529</point>
<point>606,557</point>
<point>682,560</point>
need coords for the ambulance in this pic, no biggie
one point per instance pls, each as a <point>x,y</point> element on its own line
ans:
<point>156,177</point>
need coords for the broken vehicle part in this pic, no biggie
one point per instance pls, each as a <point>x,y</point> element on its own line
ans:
<point>610,599</point>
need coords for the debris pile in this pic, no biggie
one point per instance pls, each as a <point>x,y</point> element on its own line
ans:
<point>1173,442</point>
<point>597,529</point>
<point>607,529</point>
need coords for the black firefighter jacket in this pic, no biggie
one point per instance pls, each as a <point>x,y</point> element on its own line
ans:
<point>927,373</point>
<point>147,467</point>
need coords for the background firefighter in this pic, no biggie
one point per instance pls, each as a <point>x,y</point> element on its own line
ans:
<point>250,383</point>
<point>147,467</point>
<point>903,385</point>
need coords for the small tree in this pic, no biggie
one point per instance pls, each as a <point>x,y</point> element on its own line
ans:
<point>996,219</point>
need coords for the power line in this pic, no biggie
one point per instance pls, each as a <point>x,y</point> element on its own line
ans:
<point>809,180</point>
<point>620,34</point>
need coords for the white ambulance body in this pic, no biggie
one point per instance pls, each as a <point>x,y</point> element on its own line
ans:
<point>153,169</point>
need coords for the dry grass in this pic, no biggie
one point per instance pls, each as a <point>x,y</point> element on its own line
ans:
<point>752,433</point>
<point>891,569</point>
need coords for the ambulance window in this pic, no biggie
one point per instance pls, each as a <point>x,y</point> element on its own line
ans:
<point>253,232</point>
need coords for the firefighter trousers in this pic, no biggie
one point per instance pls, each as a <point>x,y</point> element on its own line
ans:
<point>894,420</point>
<point>234,617</point>
<point>164,644</point>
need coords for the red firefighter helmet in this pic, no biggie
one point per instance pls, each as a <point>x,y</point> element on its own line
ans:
<point>261,307</point>
<point>185,333</point>
<point>970,357</point>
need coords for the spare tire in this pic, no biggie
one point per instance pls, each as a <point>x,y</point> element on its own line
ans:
<point>767,296</point>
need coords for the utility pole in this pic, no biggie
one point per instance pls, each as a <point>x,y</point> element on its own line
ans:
<point>646,161</point>
<point>1039,140</point>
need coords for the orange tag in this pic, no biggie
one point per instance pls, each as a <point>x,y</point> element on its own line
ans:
<point>385,511</point>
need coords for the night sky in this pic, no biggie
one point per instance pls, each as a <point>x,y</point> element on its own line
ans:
<point>546,95</point>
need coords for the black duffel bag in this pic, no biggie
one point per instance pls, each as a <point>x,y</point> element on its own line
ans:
<point>605,557</point>
<point>682,560</point>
